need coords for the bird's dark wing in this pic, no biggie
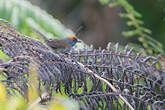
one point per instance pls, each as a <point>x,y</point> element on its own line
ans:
<point>57,43</point>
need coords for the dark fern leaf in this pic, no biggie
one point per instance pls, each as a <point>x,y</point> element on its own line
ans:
<point>126,70</point>
<point>138,78</point>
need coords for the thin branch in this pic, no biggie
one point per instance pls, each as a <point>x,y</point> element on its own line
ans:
<point>38,100</point>
<point>90,72</point>
<point>112,87</point>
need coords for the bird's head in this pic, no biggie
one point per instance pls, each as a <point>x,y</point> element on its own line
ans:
<point>73,40</point>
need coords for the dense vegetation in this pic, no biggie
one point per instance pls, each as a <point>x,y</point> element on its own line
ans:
<point>35,78</point>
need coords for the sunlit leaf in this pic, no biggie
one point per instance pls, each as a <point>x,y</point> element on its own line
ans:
<point>2,93</point>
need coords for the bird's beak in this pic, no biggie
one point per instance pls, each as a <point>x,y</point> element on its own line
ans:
<point>78,41</point>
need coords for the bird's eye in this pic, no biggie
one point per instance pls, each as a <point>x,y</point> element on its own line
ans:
<point>75,40</point>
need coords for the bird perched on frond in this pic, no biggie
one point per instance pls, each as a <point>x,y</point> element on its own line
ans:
<point>62,45</point>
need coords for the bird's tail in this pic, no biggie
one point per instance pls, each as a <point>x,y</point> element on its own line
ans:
<point>41,35</point>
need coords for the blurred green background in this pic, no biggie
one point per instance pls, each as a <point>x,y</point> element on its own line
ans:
<point>103,24</point>
<point>153,12</point>
<point>100,23</point>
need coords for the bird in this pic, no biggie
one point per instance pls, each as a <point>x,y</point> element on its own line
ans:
<point>61,45</point>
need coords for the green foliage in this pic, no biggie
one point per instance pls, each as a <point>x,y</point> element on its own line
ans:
<point>24,15</point>
<point>20,103</point>
<point>136,26</point>
<point>32,100</point>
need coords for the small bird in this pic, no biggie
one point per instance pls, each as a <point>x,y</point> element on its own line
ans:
<point>62,45</point>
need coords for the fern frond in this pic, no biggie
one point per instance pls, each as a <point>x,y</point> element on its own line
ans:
<point>142,33</point>
<point>96,78</point>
